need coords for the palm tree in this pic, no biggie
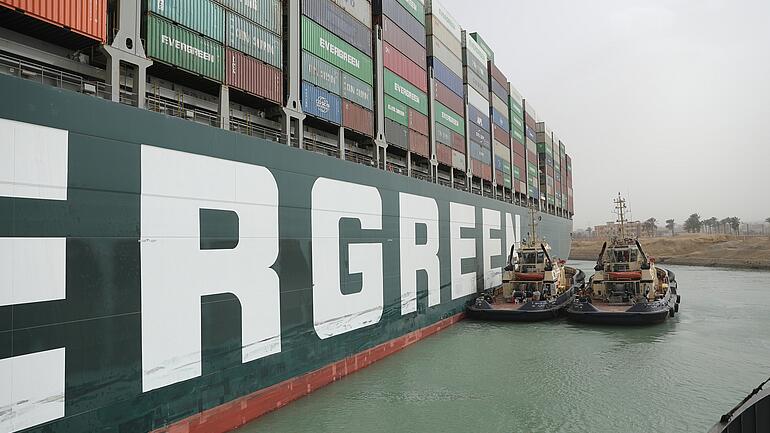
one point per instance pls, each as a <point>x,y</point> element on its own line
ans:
<point>589,230</point>
<point>735,224</point>
<point>724,222</point>
<point>713,223</point>
<point>670,226</point>
<point>649,226</point>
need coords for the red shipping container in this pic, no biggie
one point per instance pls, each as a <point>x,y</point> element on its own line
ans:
<point>497,74</point>
<point>518,148</point>
<point>532,157</point>
<point>418,121</point>
<point>357,118</point>
<point>499,177</point>
<point>458,142</point>
<point>501,136</point>
<point>253,76</point>
<point>449,98</point>
<point>518,161</point>
<point>481,170</point>
<point>403,67</point>
<point>444,154</point>
<point>392,34</point>
<point>420,144</point>
<point>517,184</point>
<point>86,17</point>
<point>529,120</point>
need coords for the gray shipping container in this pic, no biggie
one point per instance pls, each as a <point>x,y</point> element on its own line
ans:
<point>500,106</point>
<point>479,84</point>
<point>360,9</point>
<point>434,27</point>
<point>266,13</point>
<point>256,41</point>
<point>357,91</point>
<point>443,134</point>
<point>437,49</point>
<point>396,134</point>
<point>321,73</point>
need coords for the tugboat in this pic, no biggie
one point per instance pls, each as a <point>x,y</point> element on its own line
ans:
<point>627,288</point>
<point>535,287</point>
<point>752,415</point>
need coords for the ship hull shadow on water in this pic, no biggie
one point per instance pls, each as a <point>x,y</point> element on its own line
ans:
<point>489,308</point>
<point>651,313</point>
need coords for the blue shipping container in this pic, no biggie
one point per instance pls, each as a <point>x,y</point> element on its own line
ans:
<point>480,136</point>
<point>500,120</point>
<point>448,78</point>
<point>320,103</point>
<point>479,118</point>
<point>480,153</point>
<point>530,133</point>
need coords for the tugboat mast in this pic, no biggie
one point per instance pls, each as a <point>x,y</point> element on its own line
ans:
<point>620,205</point>
<point>532,226</point>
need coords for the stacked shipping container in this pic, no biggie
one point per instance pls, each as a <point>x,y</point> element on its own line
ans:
<point>475,72</point>
<point>533,167</point>
<point>497,92</point>
<point>544,140</point>
<point>405,80</point>
<point>337,66</point>
<point>444,43</point>
<point>232,42</point>
<point>570,201</point>
<point>86,17</point>
<point>516,116</point>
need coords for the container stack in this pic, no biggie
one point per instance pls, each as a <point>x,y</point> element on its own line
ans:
<point>533,167</point>
<point>405,77</point>
<point>544,140</point>
<point>232,42</point>
<point>497,91</point>
<point>570,201</point>
<point>559,176</point>
<point>337,66</point>
<point>444,43</point>
<point>516,115</point>
<point>475,71</point>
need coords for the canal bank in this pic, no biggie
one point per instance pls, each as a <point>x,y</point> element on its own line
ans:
<point>560,377</point>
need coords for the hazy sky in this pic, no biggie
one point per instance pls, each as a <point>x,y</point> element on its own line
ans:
<point>667,102</point>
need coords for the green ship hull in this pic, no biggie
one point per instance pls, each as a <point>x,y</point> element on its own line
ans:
<point>157,269</point>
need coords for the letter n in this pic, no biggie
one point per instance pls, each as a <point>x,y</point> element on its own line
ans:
<point>180,265</point>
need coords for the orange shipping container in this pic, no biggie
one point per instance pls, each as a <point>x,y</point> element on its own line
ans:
<point>87,17</point>
<point>444,154</point>
<point>357,118</point>
<point>419,144</point>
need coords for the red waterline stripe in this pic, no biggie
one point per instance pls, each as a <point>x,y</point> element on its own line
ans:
<point>240,411</point>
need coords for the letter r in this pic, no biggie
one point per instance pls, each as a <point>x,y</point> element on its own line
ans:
<point>178,267</point>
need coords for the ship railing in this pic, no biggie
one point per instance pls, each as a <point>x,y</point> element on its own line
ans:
<point>321,148</point>
<point>359,158</point>
<point>396,168</point>
<point>421,175</point>
<point>53,77</point>
<point>174,108</point>
<point>254,130</point>
<point>444,182</point>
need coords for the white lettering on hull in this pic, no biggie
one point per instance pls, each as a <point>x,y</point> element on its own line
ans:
<point>493,277</point>
<point>335,313</point>
<point>33,165</point>
<point>176,272</point>
<point>414,211</point>
<point>461,216</point>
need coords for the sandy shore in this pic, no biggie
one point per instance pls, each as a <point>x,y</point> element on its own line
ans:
<point>697,250</point>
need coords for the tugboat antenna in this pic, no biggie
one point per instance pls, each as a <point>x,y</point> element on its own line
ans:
<point>532,225</point>
<point>620,205</point>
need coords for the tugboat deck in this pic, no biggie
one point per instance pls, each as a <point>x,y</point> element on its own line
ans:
<point>609,308</point>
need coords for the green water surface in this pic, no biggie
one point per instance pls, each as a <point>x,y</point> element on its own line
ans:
<point>562,377</point>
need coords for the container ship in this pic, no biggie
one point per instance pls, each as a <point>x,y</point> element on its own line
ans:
<point>210,208</point>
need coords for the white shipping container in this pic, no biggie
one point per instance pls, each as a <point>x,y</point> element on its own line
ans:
<point>481,103</point>
<point>474,48</point>
<point>360,9</point>
<point>439,50</point>
<point>433,7</point>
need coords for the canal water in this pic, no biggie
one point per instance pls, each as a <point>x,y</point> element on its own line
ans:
<point>561,377</point>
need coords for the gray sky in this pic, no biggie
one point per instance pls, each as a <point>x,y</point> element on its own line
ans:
<point>667,102</point>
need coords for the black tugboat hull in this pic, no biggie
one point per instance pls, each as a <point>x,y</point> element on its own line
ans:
<point>650,315</point>
<point>516,315</point>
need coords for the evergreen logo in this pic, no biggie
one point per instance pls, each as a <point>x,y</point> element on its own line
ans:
<point>339,52</point>
<point>187,48</point>
<point>406,92</point>
<point>450,119</point>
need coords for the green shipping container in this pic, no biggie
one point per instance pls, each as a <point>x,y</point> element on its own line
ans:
<point>516,173</point>
<point>532,171</point>
<point>507,181</point>
<point>449,118</point>
<point>415,8</point>
<point>357,91</point>
<point>334,50</point>
<point>516,109</point>
<point>202,16</point>
<point>266,13</point>
<point>518,135</point>
<point>251,39</point>
<point>175,45</point>
<point>405,92</point>
<point>396,111</point>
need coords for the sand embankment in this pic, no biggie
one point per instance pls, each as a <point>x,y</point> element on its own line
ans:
<point>693,249</point>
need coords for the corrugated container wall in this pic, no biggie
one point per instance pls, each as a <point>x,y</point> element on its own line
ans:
<point>321,103</point>
<point>360,9</point>
<point>251,39</point>
<point>334,50</point>
<point>252,76</point>
<point>403,67</point>
<point>357,118</point>
<point>339,22</point>
<point>175,45</point>
<point>266,13</point>
<point>321,73</point>
<point>85,17</point>
<point>357,91</point>
<point>203,16</point>
<point>397,38</point>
